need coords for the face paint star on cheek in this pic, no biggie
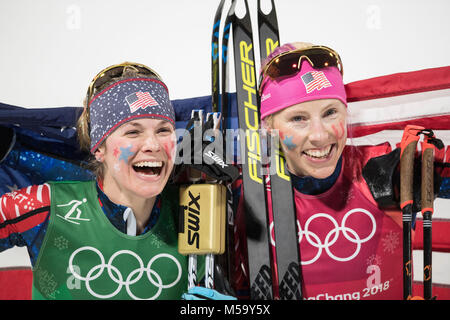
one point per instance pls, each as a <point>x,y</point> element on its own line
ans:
<point>126,153</point>
<point>287,141</point>
<point>115,152</point>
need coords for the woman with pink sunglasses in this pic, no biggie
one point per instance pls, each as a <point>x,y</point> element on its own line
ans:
<point>350,248</point>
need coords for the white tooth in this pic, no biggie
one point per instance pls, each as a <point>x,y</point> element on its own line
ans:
<point>319,153</point>
<point>148,164</point>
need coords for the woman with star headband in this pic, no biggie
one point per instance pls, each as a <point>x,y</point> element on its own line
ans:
<point>114,237</point>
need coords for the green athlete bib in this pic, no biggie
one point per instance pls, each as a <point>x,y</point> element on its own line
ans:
<point>84,256</point>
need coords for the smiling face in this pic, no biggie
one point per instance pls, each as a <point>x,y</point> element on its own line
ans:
<point>138,158</point>
<point>313,136</point>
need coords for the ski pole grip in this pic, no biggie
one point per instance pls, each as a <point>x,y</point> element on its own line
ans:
<point>427,193</point>
<point>407,154</point>
<point>406,174</point>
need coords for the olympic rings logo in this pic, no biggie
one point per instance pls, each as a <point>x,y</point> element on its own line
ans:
<point>117,276</point>
<point>332,236</point>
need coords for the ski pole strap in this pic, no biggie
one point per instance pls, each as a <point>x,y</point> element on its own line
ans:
<point>408,147</point>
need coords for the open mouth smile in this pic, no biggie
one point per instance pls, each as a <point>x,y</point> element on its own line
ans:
<point>319,154</point>
<point>149,168</point>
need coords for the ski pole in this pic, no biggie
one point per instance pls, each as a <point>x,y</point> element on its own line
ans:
<point>427,197</point>
<point>202,222</point>
<point>209,260</point>
<point>202,205</point>
<point>408,148</point>
<point>194,176</point>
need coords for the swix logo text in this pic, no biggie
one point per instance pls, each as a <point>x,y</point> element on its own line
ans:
<point>193,220</point>
<point>217,159</point>
<point>250,110</point>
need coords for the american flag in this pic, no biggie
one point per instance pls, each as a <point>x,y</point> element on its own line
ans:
<point>140,100</point>
<point>315,80</point>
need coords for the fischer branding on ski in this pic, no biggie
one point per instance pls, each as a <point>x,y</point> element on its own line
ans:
<point>287,277</point>
<point>252,176</point>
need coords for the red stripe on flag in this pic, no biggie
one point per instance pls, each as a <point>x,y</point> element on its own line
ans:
<point>441,291</point>
<point>399,84</point>
<point>441,235</point>
<point>434,122</point>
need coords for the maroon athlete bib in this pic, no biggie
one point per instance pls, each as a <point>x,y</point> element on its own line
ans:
<point>350,249</point>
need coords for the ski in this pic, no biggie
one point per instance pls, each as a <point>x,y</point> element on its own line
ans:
<point>287,275</point>
<point>215,57</point>
<point>224,95</point>
<point>260,274</point>
<point>267,30</point>
<point>221,86</point>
